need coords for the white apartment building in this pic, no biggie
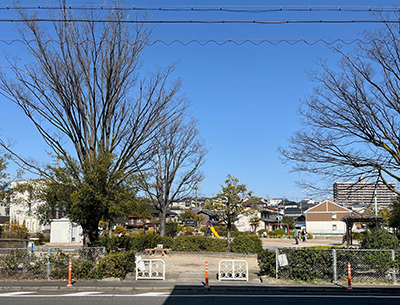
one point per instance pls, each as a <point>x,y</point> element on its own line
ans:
<point>363,193</point>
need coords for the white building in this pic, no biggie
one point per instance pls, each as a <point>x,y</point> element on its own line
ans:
<point>64,231</point>
<point>23,207</point>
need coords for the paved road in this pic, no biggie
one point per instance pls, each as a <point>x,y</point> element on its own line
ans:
<point>192,298</point>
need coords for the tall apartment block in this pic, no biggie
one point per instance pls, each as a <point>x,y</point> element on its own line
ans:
<point>363,193</point>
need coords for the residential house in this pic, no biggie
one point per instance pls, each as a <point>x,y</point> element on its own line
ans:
<point>325,218</point>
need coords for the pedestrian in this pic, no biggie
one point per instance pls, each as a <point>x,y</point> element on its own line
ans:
<point>304,232</point>
<point>296,236</point>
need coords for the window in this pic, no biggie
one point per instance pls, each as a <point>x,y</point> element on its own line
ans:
<point>334,216</point>
<point>334,227</point>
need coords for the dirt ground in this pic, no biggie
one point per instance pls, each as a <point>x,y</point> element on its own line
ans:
<point>194,262</point>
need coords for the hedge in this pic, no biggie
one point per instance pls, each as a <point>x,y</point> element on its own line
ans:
<point>240,244</point>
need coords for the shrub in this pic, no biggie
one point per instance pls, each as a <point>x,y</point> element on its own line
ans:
<point>138,243</point>
<point>246,244</point>
<point>119,230</point>
<point>136,233</point>
<point>40,241</point>
<point>187,243</point>
<point>379,239</point>
<point>279,233</point>
<point>267,262</point>
<point>213,245</point>
<point>199,243</point>
<point>14,230</point>
<point>116,265</point>
<point>261,232</point>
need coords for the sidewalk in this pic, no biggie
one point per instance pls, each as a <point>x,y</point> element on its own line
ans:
<point>191,285</point>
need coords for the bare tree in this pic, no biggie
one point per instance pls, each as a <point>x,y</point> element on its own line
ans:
<point>84,90</point>
<point>351,119</point>
<point>175,168</point>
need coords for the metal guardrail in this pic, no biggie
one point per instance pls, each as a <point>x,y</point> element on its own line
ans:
<point>150,269</point>
<point>233,270</point>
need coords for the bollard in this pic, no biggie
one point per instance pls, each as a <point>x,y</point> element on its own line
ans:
<point>206,284</point>
<point>70,273</point>
<point>349,276</point>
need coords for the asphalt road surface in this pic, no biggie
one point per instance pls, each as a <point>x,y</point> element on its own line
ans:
<point>190,298</point>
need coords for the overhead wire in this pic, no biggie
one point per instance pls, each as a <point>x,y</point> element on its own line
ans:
<point>288,21</point>
<point>210,8</point>
<point>223,42</point>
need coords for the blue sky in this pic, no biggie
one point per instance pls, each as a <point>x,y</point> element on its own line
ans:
<point>245,97</point>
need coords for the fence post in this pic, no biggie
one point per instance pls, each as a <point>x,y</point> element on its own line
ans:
<point>394,268</point>
<point>48,265</point>
<point>277,263</point>
<point>334,266</point>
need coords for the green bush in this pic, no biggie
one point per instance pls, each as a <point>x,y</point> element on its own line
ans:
<point>213,245</point>
<point>137,243</point>
<point>41,239</point>
<point>261,232</point>
<point>199,243</point>
<point>267,262</point>
<point>246,244</point>
<point>278,233</point>
<point>379,239</point>
<point>187,243</point>
<point>116,265</point>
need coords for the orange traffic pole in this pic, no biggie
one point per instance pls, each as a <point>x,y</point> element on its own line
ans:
<point>349,276</point>
<point>70,274</point>
<point>206,284</point>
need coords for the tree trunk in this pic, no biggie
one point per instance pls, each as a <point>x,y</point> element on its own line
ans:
<point>163,220</point>
<point>229,240</point>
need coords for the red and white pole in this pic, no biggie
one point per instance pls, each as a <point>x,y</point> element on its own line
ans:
<point>206,284</point>
<point>70,273</point>
<point>349,276</point>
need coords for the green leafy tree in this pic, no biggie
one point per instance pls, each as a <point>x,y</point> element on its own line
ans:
<point>394,218</point>
<point>290,221</point>
<point>86,98</point>
<point>233,200</point>
<point>93,193</point>
<point>189,214</point>
<point>254,223</point>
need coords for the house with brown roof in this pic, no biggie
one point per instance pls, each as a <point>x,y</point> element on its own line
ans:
<point>326,218</point>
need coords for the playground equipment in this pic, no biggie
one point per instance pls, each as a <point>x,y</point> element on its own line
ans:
<point>209,229</point>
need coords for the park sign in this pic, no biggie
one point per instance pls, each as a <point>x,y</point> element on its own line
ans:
<point>190,223</point>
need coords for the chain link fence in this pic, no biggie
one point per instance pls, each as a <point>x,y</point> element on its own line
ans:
<point>367,266</point>
<point>44,263</point>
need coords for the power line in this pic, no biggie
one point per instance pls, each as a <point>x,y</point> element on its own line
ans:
<point>213,8</point>
<point>224,42</point>
<point>170,21</point>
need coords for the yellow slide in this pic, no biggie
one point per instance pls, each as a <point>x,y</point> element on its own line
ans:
<point>215,232</point>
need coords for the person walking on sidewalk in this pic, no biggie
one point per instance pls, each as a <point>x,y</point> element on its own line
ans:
<point>296,236</point>
<point>304,235</point>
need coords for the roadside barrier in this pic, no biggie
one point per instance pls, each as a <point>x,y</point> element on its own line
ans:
<point>70,273</point>
<point>349,276</point>
<point>150,269</point>
<point>206,284</point>
<point>233,270</point>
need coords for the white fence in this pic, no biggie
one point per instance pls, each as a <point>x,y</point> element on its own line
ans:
<point>233,270</point>
<point>150,269</point>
